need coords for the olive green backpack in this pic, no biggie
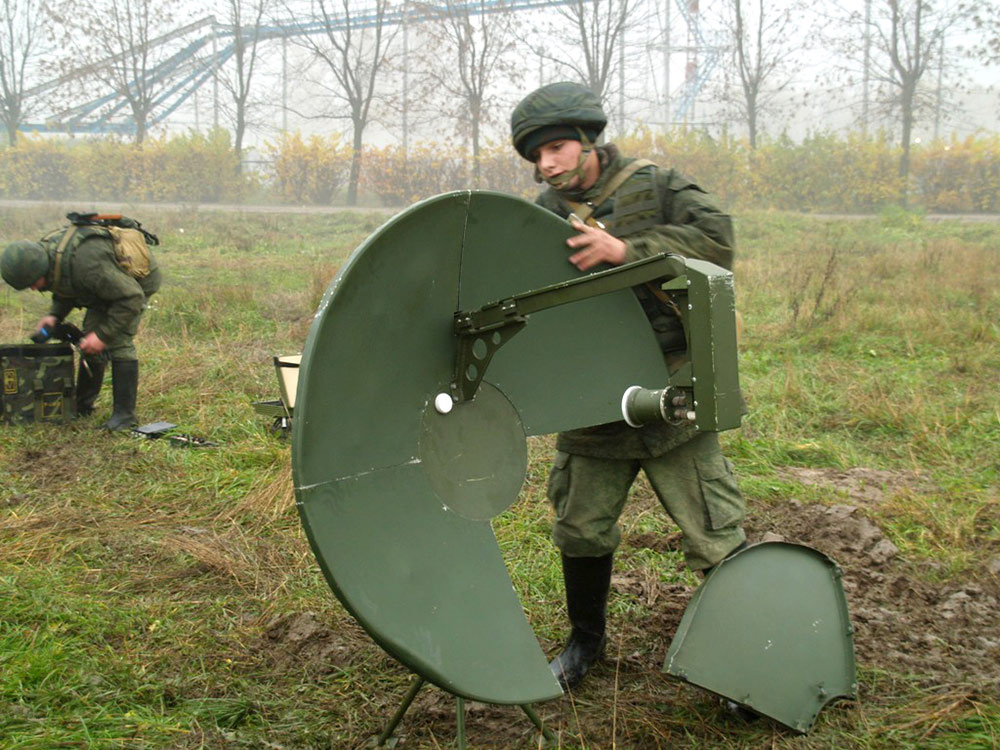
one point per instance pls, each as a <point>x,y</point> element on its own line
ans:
<point>130,240</point>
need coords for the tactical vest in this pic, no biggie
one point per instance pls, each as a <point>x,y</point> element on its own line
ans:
<point>637,205</point>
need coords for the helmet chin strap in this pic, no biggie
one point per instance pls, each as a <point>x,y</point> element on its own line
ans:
<point>561,182</point>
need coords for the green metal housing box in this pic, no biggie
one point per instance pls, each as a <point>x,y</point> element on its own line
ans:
<point>711,328</point>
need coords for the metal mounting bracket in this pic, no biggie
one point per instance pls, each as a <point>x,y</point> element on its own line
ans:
<point>482,332</point>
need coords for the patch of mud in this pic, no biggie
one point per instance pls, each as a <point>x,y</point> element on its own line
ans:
<point>50,464</point>
<point>654,540</point>
<point>905,622</point>
<point>860,485</point>
<point>302,641</point>
<point>943,632</point>
<point>436,712</point>
<point>843,533</point>
<point>645,586</point>
<point>53,466</point>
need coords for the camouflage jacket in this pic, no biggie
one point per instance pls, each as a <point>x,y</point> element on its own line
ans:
<point>91,277</point>
<point>654,211</point>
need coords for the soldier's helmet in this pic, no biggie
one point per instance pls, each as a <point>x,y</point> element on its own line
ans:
<point>23,263</point>
<point>558,110</point>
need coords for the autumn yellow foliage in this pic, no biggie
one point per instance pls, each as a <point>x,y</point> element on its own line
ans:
<point>190,168</point>
<point>959,175</point>
<point>308,171</point>
<point>825,172</point>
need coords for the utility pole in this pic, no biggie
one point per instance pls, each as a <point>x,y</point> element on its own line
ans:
<point>867,65</point>
<point>940,95</point>
<point>215,79</point>
<point>667,115</point>
<point>284,84</point>
<point>406,79</point>
<point>691,69</point>
<point>621,84</point>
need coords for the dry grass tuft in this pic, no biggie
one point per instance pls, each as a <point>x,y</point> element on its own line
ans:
<point>44,536</point>
<point>270,498</point>
<point>231,555</point>
<point>932,712</point>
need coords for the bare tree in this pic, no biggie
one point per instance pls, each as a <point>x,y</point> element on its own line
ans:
<point>120,43</point>
<point>590,47</point>
<point>765,39</point>
<point>478,37</point>
<point>985,18</point>
<point>907,39</point>
<point>353,46</point>
<point>244,21</point>
<point>21,37</point>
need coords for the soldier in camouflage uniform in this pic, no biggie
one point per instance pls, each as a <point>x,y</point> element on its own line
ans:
<point>646,211</point>
<point>87,274</point>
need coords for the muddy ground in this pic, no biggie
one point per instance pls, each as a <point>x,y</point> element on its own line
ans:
<point>947,632</point>
<point>938,634</point>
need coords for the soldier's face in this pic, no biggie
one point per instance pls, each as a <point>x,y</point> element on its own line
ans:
<point>39,285</point>
<point>563,157</point>
<point>555,157</point>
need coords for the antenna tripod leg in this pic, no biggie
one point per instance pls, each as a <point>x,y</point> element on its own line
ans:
<point>529,711</point>
<point>415,684</point>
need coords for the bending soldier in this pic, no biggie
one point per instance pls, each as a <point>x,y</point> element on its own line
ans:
<point>635,210</point>
<point>83,270</point>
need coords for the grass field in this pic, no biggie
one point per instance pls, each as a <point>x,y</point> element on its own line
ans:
<point>155,597</point>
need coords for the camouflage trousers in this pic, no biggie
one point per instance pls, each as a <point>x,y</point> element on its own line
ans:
<point>121,348</point>
<point>694,483</point>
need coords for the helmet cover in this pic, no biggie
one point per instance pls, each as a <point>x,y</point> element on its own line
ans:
<point>23,263</point>
<point>564,108</point>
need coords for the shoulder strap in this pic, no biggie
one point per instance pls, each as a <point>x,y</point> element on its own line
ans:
<point>60,249</point>
<point>584,210</point>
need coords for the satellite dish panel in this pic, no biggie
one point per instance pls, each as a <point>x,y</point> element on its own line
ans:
<point>395,489</point>
<point>769,629</point>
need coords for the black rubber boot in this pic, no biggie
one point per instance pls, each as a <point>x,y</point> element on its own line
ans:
<point>124,387</point>
<point>588,580</point>
<point>89,379</point>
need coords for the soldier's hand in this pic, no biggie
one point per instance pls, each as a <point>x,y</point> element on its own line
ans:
<point>49,321</point>
<point>92,344</point>
<point>594,246</point>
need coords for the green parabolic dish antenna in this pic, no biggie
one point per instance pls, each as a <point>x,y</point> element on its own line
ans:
<point>395,497</point>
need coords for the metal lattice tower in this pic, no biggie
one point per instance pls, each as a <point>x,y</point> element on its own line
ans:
<point>194,54</point>
<point>207,46</point>
<point>702,55</point>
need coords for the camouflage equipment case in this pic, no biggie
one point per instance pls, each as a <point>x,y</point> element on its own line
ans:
<point>37,383</point>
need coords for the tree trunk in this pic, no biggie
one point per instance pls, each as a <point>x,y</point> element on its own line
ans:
<point>476,166</point>
<point>139,118</point>
<point>904,158</point>
<point>352,183</point>
<point>241,126</point>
